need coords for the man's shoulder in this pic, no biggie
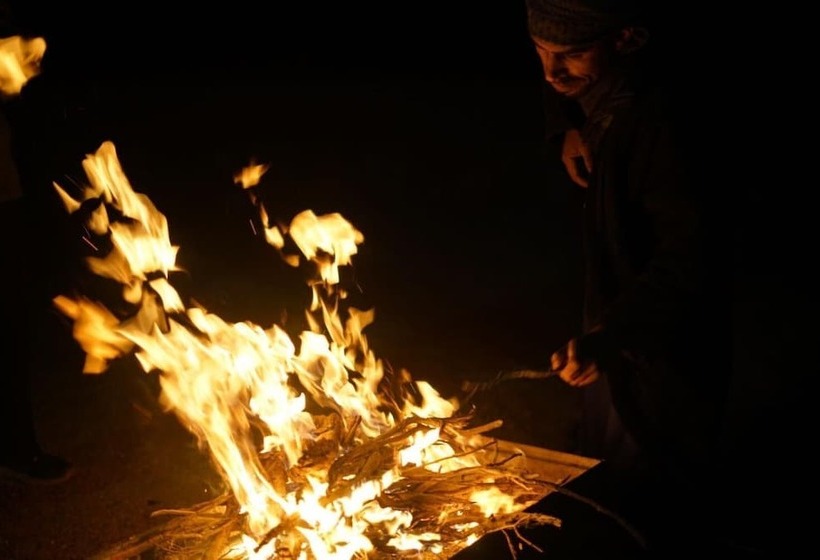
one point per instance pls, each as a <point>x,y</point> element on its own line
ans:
<point>662,104</point>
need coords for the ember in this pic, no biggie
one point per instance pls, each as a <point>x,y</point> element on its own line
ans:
<point>324,453</point>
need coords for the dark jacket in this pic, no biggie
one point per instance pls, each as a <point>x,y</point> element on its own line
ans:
<point>650,285</point>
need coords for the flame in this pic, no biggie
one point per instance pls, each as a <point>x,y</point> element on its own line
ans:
<point>231,383</point>
<point>19,62</point>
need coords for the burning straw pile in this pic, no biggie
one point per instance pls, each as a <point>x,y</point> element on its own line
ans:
<point>383,467</point>
<point>440,507</point>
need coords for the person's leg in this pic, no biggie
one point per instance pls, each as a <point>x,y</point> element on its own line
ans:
<point>17,434</point>
<point>20,451</point>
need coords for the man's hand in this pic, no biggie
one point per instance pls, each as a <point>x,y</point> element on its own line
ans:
<point>576,157</point>
<point>574,369</point>
<point>579,362</point>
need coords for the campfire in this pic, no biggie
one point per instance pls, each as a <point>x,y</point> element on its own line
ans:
<point>324,452</point>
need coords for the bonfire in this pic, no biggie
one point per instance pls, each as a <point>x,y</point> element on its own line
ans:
<point>324,452</point>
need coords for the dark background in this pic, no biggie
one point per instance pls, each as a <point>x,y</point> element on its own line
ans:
<point>420,123</point>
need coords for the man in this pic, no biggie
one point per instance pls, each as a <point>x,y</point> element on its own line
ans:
<point>650,360</point>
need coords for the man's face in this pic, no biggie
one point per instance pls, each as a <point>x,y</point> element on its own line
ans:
<point>572,70</point>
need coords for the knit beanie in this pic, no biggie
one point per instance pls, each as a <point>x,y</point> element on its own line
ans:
<point>575,22</point>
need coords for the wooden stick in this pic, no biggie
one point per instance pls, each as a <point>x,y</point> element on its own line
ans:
<point>472,387</point>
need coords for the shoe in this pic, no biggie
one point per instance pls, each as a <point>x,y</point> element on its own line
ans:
<point>40,468</point>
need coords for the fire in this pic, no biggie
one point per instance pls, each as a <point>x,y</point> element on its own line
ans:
<point>324,453</point>
<point>19,62</point>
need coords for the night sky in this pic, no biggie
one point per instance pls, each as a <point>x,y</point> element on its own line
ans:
<point>418,38</point>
